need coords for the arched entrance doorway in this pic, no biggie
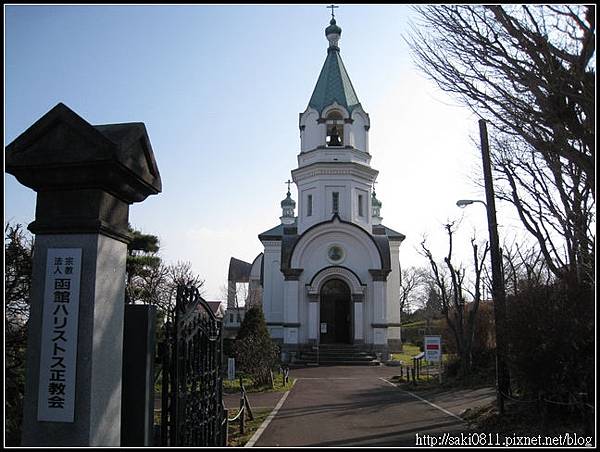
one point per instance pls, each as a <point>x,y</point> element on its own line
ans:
<point>335,312</point>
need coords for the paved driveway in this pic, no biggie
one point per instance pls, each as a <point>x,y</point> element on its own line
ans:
<point>353,406</point>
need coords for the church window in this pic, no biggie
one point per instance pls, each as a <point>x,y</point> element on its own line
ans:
<point>335,208</point>
<point>335,254</point>
<point>361,212</point>
<point>309,206</point>
<point>335,129</point>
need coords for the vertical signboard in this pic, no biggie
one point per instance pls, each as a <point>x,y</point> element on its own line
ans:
<point>231,368</point>
<point>433,348</point>
<point>58,357</point>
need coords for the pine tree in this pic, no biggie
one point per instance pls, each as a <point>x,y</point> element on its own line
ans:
<point>256,354</point>
<point>18,249</point>
<point>254,324</point>
<point>142,263</point>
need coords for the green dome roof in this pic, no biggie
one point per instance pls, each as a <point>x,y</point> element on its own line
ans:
<point>333,28</point>
<point>334,84</point>
<point>288,201</point>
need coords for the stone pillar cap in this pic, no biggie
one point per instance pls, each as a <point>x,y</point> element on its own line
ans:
<point>62,151</point>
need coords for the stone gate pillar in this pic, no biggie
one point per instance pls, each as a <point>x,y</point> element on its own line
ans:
<point>85,177</point>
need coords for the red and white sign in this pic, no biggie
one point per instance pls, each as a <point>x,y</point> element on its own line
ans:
<point>433,348</point>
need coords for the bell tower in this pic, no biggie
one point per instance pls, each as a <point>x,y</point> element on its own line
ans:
<point>334,175</point>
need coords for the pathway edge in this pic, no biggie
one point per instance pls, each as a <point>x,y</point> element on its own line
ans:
<point>426,401</point>
<point>269,418</point>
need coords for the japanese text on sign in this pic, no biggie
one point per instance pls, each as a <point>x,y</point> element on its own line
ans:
<point>56,395</point>
<point>433,348</point>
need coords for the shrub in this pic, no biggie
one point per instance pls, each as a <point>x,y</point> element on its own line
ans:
<point>256,354</point>
<point>549,341</point>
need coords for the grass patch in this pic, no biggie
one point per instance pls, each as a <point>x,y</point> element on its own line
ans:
<point>408,351</point>
<point>415,324</point>
<point>234,438</point>
<point>233,386</point>
<point>477,379</point>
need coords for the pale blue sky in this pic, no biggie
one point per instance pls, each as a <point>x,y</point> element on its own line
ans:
<point>220,89</point>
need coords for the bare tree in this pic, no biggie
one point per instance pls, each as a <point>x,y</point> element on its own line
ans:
<point>157,285</point>
<point>244,294</point>
<point>234,293</point>
<point>528,69</point>
<point>412,280</point>
<point>555,206</point>
<point>524,266</point>
<point>180,273</point>
<point>452,286</point>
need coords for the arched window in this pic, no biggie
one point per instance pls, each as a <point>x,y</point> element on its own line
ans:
<point>335,129</point>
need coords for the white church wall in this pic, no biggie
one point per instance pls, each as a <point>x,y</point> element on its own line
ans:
<point>307,220</point>
<point>358,131</point>
<point>290,308</point>
<point>334,154</point>
<point>360,256</point>
<point>368,313</point>
<point>343,190</point>
<point>361,190</point>
<point>303,312</point>
<point>393,285</point>
<point>272,283</point>
<point>312,134</point>
<point>393,294</point>
<point>359,321</point>
<point>276,332</point>
<point>379,302</point>
<point>361,253</point>
<point>322,186</point>
<point>312,319</point>
<point>290,312</point>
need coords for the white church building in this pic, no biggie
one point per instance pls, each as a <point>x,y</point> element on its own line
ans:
<point>330,274</point>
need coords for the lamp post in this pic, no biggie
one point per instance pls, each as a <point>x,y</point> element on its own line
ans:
<point>498,293</point>
<point>465,202</point>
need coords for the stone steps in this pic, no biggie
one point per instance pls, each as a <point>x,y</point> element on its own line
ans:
<point>338,355</point>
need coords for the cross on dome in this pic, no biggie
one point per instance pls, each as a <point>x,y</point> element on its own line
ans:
<point>332,7</point>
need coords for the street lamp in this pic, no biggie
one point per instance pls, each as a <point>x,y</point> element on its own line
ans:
<point>462,203</point>
<point>498,293</point>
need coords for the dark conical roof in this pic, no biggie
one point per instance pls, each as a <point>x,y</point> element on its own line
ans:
<point>334,84</point>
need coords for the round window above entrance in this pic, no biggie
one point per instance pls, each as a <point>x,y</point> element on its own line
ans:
<point>335,254</point>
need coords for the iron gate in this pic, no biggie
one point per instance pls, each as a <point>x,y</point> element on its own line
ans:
<point>192,411</point>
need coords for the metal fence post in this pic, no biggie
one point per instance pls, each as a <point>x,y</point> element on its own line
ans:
<point>225,428</point>
<point>242,416</point>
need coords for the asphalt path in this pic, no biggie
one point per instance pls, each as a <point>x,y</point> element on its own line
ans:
<point>352,407</point>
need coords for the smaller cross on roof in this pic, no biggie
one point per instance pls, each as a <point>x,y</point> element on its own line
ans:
<point>289,182</point>
<point>332,7</point>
